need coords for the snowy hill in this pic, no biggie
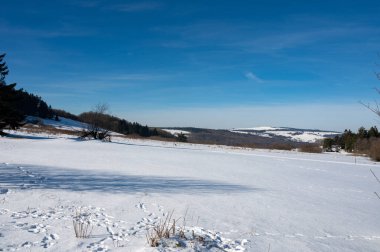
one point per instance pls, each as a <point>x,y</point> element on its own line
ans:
<point>176,132</point>
<point>293,134</point>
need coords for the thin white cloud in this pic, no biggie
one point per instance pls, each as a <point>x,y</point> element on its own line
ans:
<point>137,77</point>
<point>136,7</point>
<point>261,38</point>
<point>252,76</point>
<point>63,31</point>
<point>87,3</point>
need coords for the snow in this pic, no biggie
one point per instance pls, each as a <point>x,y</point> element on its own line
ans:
<point>309,136</point>
<point>235,198</point>
<point>63,123</point>
<point>304,136</point>
<point>259,128</point>
<point>177,132</point>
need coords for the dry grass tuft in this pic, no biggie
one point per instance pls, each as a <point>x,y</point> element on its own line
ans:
<point>82,224</point>
<point>38,129</point>
<point>164,229</point>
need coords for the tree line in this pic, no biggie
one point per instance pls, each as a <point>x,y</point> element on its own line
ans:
<point>362,142</point>
<point>16,104</point>
<point>99,119</point>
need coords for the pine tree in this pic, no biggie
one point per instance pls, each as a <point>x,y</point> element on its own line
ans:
<point>10,117</point>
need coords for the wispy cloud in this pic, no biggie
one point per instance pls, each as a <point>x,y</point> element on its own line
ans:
<point>137,77</point>
<point>262,38</point>
<point>135,7</point>
<point>87,3</point>
<point>292,39</point>
<point>65,31</point>
<point>252,76</point>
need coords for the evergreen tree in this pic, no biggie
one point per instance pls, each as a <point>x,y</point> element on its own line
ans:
<point>328,143</point>
<point>362,133</point>
<point>373,132</point>
<point>10,116</point>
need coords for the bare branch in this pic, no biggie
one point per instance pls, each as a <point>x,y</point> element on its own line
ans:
<point>375,110</point>
<point>378,180</point>
<point>377,194</point>
<point>101,108</point>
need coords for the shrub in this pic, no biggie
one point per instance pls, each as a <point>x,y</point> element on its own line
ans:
<point>311,148</point>
<point>328,143</point>
<point>282,146</point>
<point>182,137</point>
<point>164,229</point>
<point>374,151</point>
<point>363,146</point>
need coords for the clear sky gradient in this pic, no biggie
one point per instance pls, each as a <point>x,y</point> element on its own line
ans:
<point>215,64</point>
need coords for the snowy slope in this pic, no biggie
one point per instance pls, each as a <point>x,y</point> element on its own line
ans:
<point>298,135</point>
<point>287,201</point>
<point>63,123</point>
<point>176,132</point>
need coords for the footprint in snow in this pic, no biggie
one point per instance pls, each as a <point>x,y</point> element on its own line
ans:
<point>142,207</point>
<point>38,228</point>
<point>49,240</point>
<point>21,225</point>
<point>27,244</point>
<point>99,246</point>
<point>4,211</point>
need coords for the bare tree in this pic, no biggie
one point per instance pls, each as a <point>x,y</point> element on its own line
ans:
<point>94,123</point>
<point>375,109</point>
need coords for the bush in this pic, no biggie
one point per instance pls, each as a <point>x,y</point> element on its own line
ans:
<point>311,148</point>
<point>181,137</point>
<point>374,151</point>
<point>363,146</point>
<point>281,146</point>
<point>328,144</point>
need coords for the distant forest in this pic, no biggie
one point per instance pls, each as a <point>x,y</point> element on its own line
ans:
<point>33,105</point>
<point>16,104</point>
<point>121,126</point>
<point>29,104</point>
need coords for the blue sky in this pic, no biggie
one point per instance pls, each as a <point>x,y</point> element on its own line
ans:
<point>215,64</point>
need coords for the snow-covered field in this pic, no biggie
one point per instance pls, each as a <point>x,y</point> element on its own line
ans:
<point>298,135</point>
<point>276,200</point>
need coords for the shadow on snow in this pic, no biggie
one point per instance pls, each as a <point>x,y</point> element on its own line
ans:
<point>37,177</point>
<point>21,136</point>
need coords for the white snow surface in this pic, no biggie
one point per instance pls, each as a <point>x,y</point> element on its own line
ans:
<point>63,123</point>
<point>176,132</point>
<point>260,128</point>
<point>300,135</point>
<point>236,199</point>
